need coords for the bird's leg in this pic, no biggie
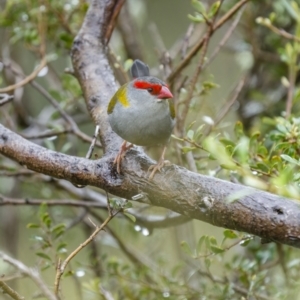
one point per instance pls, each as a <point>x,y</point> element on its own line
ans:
<point>160,164</point>
<point>121,154</point>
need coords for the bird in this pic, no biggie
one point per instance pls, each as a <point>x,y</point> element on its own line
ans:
<point>141,113</point>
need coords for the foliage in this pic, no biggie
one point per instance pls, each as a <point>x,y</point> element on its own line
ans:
<point>256,143</point>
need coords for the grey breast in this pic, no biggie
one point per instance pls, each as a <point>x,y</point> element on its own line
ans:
<point>148,125</point>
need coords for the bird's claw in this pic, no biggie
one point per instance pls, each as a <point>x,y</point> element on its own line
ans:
<point>118,159</point>
<point>157,167</point>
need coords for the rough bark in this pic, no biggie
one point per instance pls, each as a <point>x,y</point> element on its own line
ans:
<point>200,197</point>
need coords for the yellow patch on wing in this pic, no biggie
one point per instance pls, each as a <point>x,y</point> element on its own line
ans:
<point>121,97</point>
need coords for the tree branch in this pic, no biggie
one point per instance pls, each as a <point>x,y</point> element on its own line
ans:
<point>196,196</point>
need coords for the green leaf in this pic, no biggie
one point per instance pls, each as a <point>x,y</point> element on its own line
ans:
<point>186,248</point>
<point>245,242</point>
<point>199,6</point>
<point>207,242</point>
<point>127,205</point>
<point>69,273</point>
<point>196,19</point>
<point>239,129</point>
<point>43,209</point>
<point>200,243</point>
<point>43,255</point>
<point>219,152</point>
<point>290,159</point>
<point>213,240</point>
<point>66,147</point>
<point>59,233</point>
<point>187,149</point>
<point>58,228</point>
<point>32,225</point>
<point>47,266</point>
<point>230,167</point>
<point>229,234</point>
<point>216,249</point>
<point>282,129</point>
<point>199,133</point>
<point>46,219</point>
<point>213,9</point>
<point>190,125</point>
<point>227,142</point>
<point>190,134</point>
<point>130,216</point>
<point>61,246</point>
<point>49,144</point>
<point>208,85</point>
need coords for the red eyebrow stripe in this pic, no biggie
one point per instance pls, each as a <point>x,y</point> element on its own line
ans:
<point>145,85</point>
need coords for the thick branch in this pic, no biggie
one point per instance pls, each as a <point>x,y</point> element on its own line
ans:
<point>196,196</point>
<point>91,66</point>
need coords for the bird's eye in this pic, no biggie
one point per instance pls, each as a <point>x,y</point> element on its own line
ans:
<point>150,90</point>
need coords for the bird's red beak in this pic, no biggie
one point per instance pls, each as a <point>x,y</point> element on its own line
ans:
<point>164,93</point>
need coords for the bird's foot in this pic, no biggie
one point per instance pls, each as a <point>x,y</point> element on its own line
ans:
<point>120,155</point>
<point>154,168</point>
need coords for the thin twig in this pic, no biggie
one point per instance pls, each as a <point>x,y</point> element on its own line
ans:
<point>63,114</point>
<point>186,40</point>
<point>26,79</point>
<point>225,38</point>
<point>61,266</point>
<point>93,143</point>
<point>224,110</point>
<point>63,202</point>
<point>9,291</point>
<point>5,98</point>
<point>69,120</point>
<point>199,45</point>
<point>90,151</point>
<point>187,101</point>
<point>132,257</point>
<point>47,134</point>
<point>281,32</point>
<point>32,273</point>
<point>181,119</point>
<point>94,255</point>
<point>78,219</point>
<point>17,173</point>
<point>6,278</point>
